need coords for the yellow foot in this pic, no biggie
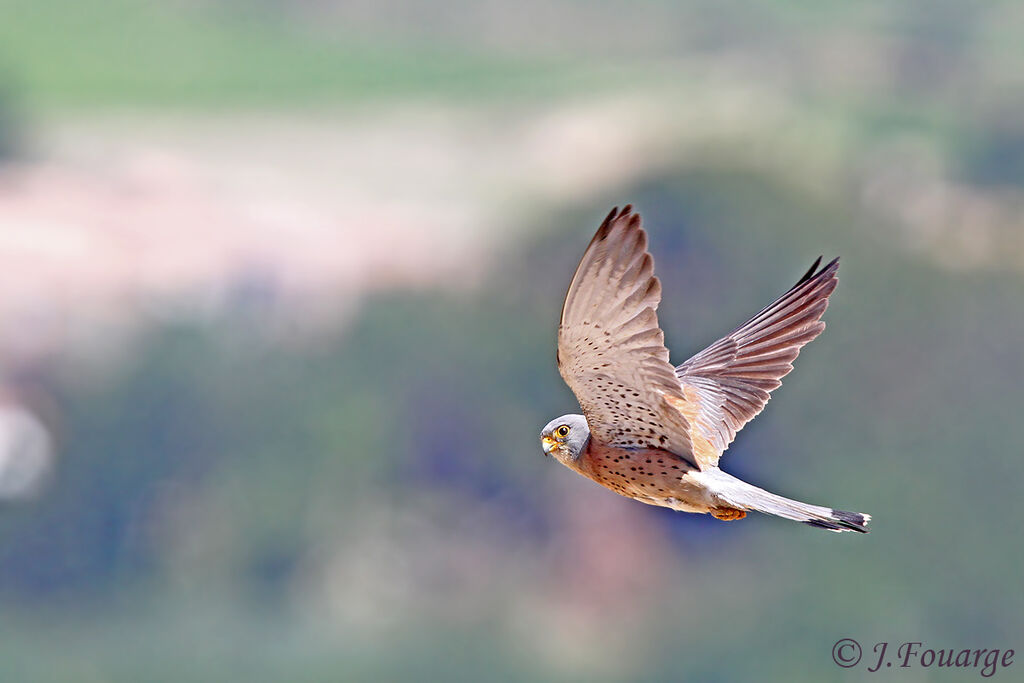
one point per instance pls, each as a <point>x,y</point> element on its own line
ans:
<point>728,514</point>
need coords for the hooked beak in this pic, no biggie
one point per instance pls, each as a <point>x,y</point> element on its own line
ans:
<point>547,443</point>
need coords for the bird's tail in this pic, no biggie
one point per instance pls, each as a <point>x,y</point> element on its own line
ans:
<point>739,493</point>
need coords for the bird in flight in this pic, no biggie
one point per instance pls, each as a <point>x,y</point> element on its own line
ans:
<point>654,432</point>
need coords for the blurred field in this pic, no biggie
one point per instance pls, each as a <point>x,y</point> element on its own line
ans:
<point>281,289</point>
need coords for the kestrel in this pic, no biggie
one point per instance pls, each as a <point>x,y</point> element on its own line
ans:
<point>654,432</point>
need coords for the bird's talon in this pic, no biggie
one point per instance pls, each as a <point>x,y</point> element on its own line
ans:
<point>728,514</point>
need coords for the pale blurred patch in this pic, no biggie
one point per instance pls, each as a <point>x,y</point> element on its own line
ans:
<point>953,224</point>
<point>26,453</point>
<point>123,216</point>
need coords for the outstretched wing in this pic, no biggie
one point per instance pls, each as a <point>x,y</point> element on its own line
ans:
<point>731,380</point>
<point>611,351</point>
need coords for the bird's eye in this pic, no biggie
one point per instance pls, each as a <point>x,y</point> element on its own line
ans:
<point>562,432</point>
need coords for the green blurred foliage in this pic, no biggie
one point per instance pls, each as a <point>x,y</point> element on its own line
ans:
<point>281,54</point>
<point>126,52</point>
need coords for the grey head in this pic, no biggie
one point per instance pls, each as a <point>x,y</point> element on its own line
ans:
<point>565,437</point>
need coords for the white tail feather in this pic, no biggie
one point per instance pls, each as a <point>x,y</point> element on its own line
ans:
<point>738,493</point>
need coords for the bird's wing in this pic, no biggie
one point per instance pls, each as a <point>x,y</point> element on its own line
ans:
<point>611,351</point>
<point>731,380</point>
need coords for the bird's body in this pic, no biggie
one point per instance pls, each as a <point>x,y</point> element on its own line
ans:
<point>655,433</point>
<point>649,475</point>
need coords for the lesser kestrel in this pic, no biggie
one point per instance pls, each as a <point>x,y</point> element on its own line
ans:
<point>654,432</point>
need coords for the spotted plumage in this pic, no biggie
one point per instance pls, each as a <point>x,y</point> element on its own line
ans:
<point>654,432</point>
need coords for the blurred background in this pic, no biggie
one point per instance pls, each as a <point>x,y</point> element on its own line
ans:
<point>280,283</point>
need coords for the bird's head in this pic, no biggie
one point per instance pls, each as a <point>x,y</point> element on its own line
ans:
<point>565,437</point>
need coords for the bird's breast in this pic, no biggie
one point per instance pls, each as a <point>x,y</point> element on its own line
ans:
<point>651,476</point>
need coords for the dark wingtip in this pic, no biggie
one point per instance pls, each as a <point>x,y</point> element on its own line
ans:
<point>606,225</point>
<point>832,266</point>
<point>631,218</point>
<point>814,272</point>
<point>614,216</point>
<point>810,271</point>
